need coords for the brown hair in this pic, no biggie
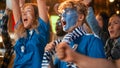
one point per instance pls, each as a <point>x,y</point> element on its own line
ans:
<point>20,31</point>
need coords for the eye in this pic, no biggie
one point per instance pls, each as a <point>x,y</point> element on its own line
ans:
<point>115,22</point>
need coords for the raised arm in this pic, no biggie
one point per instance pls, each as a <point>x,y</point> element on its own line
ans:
<point>87,62</point>
<point>16,10</point>
<point>93,23</point>
<point>91,20</point>
<point>43,11</point>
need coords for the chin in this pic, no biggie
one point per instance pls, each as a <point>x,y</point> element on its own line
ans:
<point>113,37</point>
<point>26,27</point>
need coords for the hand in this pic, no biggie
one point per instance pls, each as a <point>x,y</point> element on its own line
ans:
<point>50,46</point>
<point>64,52</point>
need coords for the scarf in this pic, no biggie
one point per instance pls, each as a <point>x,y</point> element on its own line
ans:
<point>76,33</point>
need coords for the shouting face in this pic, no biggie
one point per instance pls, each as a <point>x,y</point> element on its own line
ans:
<point>28,16</point>
<point>114,27</point>
<point>69,18</point>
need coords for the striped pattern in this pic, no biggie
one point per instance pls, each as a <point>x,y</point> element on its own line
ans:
<point>71,65</point>
<point>76,33</point>
<point>47,56</point>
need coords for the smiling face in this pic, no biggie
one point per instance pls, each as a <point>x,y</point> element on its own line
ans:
<point>69,18</point>
<point>114,27</point>
<point>28,16</point>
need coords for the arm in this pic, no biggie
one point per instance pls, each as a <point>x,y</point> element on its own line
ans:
<point>16,10</point>
<point>87,62</point>
<point>65,53</point>
<point>92,22</point>
<point>43,11</point>
<point>21,3</point>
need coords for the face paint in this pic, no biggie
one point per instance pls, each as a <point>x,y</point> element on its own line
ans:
<point>69,18</point>
<point>29,15</point>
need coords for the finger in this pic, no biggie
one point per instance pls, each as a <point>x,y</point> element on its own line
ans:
<point>61,53</point>
<point>49,46</point>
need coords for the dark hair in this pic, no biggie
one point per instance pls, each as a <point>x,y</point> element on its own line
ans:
<point>105,19</point>
<point>60,31</point>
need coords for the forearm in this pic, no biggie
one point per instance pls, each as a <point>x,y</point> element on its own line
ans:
<point>16,10</point>
<point>43,10</point>
<point>92,22</point>
<point>117,63</point>
<point>87,62</point>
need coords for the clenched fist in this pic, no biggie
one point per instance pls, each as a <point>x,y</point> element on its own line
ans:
<point>64,52</point>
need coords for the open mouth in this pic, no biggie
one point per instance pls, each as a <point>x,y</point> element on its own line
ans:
<point>63,23</point>
<point>25,20</point>
<point>111,32</point>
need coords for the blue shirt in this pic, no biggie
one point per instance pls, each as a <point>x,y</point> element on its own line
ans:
<point>88,45</point>
<point>29,50</point>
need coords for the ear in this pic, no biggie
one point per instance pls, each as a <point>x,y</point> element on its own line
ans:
<point>81,17</point>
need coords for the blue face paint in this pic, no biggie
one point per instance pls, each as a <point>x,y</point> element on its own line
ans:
<point>70,16</point>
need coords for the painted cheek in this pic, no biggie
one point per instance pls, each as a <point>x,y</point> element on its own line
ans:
<point>29,15</point>
<point>71,20</point>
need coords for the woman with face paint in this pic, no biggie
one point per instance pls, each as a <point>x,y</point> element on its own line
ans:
<point>73,15</point>
<point>32,33</point>
<point>112,49</point>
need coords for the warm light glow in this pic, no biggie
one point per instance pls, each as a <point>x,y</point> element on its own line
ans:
<point>1,39</point>
<point>117,12</point>
<point>111,0</point>
<point>11,35</point>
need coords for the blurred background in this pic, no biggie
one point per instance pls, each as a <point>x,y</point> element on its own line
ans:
<point>108,6</point>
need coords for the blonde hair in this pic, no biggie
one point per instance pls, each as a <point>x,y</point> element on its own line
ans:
<point>20,31</point>
<point>80,7</point>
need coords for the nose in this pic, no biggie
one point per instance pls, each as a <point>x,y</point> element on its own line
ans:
<point>24,13</point>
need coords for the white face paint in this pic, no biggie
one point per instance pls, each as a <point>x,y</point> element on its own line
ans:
<point>28,16</point>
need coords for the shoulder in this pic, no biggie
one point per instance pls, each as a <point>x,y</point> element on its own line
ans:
<point>93,40</point>
<point>92,36</point>
<point>43,26</point>
<point>41,21</point>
